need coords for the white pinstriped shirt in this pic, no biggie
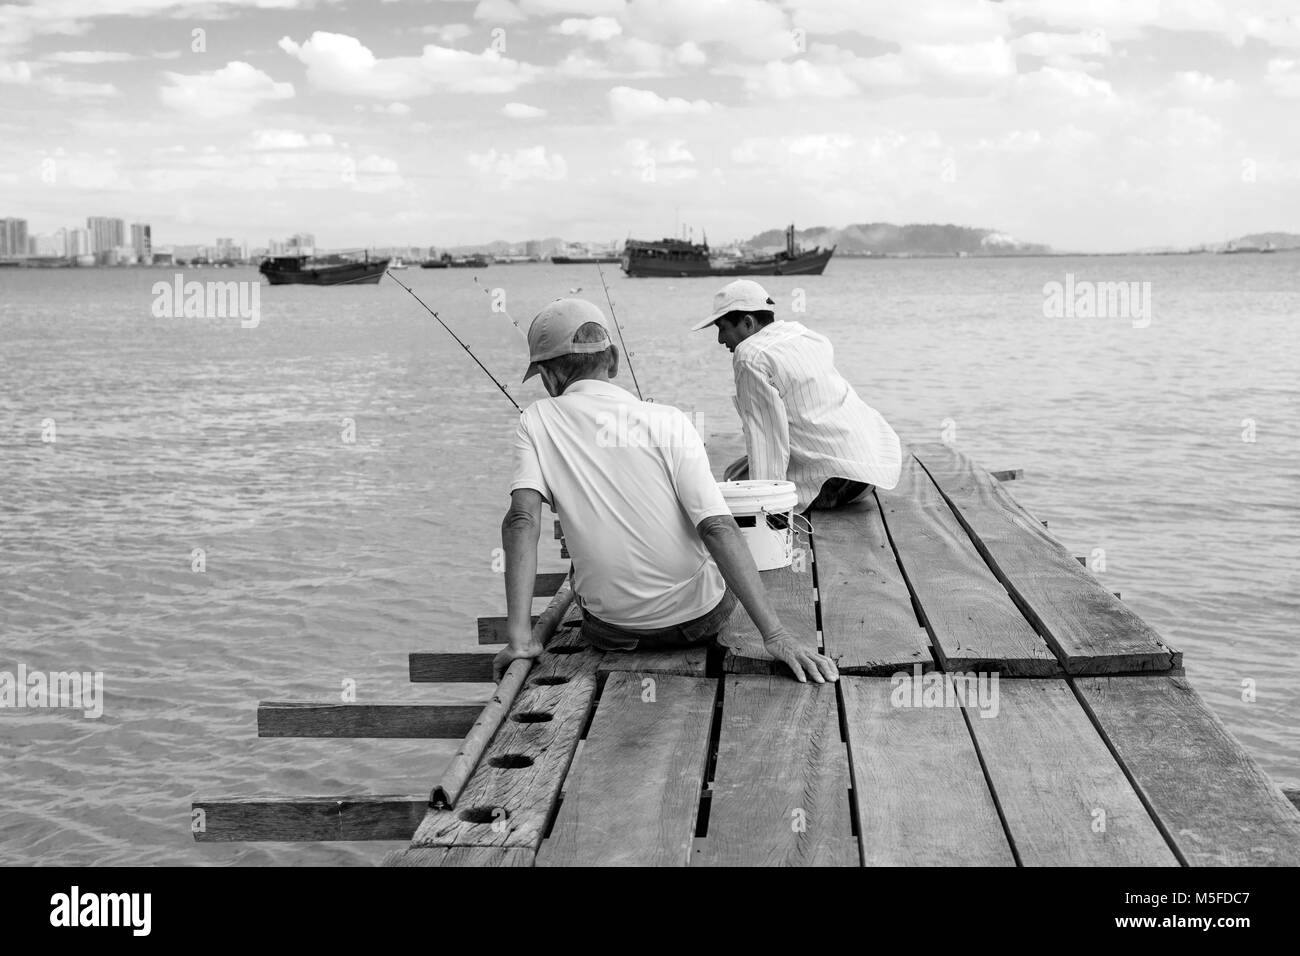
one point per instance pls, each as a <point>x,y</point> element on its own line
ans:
<point>803,422</point>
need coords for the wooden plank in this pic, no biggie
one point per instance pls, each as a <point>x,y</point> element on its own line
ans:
<point>1065,800</point>
<point>450,668</point>
<point>781,788</point>
<point>493,630</point>
<point>791,594</point>
<point>291,718</point>
<point>508,805</point>
<point>972,623</point>
<point>868,623</point>
<point>1011,474</point>
<point>921,795</point>
<point>548,582</point>
<point>304,819</point>
<point>635,796</point>
<point>1293,796</point>
<point>689,662</point>
<point>460,856</point>
<point>1216,804</point>
<point>1091,631</point>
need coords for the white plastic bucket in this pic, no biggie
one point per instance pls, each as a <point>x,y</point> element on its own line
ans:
<point>750,503</point>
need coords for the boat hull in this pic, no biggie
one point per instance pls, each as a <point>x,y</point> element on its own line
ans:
<point>348,273</point>
<point>805,264</point>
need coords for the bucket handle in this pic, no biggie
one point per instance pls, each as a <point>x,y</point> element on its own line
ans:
<point>794,516</point>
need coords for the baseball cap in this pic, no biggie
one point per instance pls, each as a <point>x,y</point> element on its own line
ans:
<point>551,334</point>
<point>742,295</point>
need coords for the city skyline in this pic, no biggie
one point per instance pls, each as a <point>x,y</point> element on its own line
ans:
<point>1125,125</point>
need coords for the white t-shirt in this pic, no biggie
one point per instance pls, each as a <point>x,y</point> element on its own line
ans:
<point>630,481</point>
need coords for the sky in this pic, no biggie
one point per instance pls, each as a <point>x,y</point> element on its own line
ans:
<point>1089,126</point>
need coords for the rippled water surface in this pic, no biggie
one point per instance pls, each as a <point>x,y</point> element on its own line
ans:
<point>329,561</point>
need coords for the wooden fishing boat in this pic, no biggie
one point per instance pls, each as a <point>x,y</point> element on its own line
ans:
<point>678,258</point>
<point>308,270</point>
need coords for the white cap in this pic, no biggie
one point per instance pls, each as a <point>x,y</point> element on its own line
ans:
<point>742,295</point>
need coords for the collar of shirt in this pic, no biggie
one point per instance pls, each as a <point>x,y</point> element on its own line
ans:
<point>595,386</point>
<point>769,335</point>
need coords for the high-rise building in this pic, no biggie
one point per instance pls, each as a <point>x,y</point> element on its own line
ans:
<point>106,234</point>
<point>142,241</point>
<point>13,237</point>
<point>303,243</point>
<point>78,243</point>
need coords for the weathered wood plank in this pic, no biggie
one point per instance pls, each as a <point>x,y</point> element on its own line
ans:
<point>973,624</point>
<point>461,856</point>
<point>506,803</point>
<point>781,787</point>
<point>1216,804</point>
<point>1090,630</point>
<point>634,799</point>
<point>450,668</point>
<point>921,796</point>
<point>307,819</point>
<point>457,773</point>
<point>493,630</point>
<point>1010,474</point>
<point>688,662</point>
<point>291,718</point>
<point>868,624</point>
<point>791,594</point>
<point>548,582</point>
<point>1065,800</point>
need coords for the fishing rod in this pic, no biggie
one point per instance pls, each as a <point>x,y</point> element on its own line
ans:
<point>458,341</point>
<point>619,327</point>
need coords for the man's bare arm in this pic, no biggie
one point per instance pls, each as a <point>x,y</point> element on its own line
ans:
<point>521,529</point>
<point>722,537</point>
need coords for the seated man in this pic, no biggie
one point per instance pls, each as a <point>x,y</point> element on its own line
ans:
<point>658,561</point>
<point>803,422</point>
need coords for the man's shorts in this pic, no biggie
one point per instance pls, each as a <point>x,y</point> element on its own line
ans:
<point>702,630</point>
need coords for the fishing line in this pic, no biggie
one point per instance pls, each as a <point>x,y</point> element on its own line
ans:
<point>619,327</point>
<point>458,341</point>
<point>504,310</point>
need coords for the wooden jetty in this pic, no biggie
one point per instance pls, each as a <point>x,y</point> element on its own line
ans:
<point>998,706</point>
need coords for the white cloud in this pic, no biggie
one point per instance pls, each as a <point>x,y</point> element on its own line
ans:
<point>989,59</point>
<point>288,139</point>
<point>750,29</point>
<point>1283,76</point>
<point>449,32</point>
<point>522,111</point>
<point>19,74</point>
<point>1053,45</point>
<point>1201,86</point>
<point>915,21</point>
<point>89,56</point>
<point>521,165</point>
<point>234,89</point>
<point>340,63</point>
<point>629,105</point>
<point>595,29</point>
